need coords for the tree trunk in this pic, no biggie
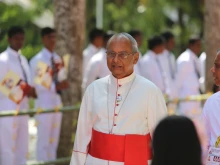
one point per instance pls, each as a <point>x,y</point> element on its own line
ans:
<point>70,28</point>
<point>212,37</point>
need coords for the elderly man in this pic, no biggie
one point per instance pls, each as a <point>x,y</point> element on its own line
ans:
<point>211,113</point>
<point>118,112</point>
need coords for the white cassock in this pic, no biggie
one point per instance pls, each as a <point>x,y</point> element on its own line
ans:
<point>187,82</point>
<point>132,105</point>
<point>153,68</point>
<point>87,55</point>
<point>13,130</point>
<point>202,59</point>
<point>211,114</point>
<point>48,124</point>
<point>97,68</point>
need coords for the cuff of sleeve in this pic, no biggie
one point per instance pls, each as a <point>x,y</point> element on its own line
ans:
<point>78,158</point>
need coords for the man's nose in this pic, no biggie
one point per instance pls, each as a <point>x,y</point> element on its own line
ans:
<point>115,59</point>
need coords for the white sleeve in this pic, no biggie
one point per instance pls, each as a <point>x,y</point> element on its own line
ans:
<point>83,133</point>
<point>3,71</point>
<point>39,88</point>
<point>157,109</point>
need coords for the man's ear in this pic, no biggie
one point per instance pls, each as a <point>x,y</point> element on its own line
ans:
<point>136,57</point>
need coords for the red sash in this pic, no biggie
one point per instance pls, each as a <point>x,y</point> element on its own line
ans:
<point>130,149</point>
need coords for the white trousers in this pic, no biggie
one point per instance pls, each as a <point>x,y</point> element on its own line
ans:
<point>13,140</point>
<point>48,135</point>
<point>190,108</point>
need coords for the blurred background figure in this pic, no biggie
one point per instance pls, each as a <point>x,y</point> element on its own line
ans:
<point>137,35</point>
<point>14,130</point>
<point>202,59</point>
<point>170,60</point>
<point>49,124</point>
<point>176,142</point>
<point>187,78</point>
<point>96,43</point>
<point>152,64</point>
<point>97,66</point>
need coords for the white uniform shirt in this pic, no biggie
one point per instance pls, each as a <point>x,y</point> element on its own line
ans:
<point>187,81</point>
<point>170,64</point>
<point>151,70</point>
<point>211,115</point>
<point>202,59</point>
<point>97,68</point>
<point>87,55</point>
<point>46,97</point>
<point>138,112</point>
<point>9,61</point>
<point>137,67</point>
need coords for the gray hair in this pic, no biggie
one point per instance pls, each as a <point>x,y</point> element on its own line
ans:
<point>134,45</point>
<point>218,52</point>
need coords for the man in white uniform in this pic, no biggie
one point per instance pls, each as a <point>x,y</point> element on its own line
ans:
<point>137,35</point>
<point>48,124</point>
<point>14,130</point>
<point>187,78</point>
<point>97,66</point>
<point>211,110</point>
<point>169,57</point>
<point>118,112</point>
<point>152,65</point>
<point>96,42</point>
<point>202,59</point>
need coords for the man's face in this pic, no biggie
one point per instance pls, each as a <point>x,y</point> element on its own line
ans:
<point>99,41</point>
<point>16,41</point>
<point>121,67</point>
<point>170,44</point>
<point>138,39</point>
<point>197,47</point>
<point>216,70</point>
<point>49,41</point>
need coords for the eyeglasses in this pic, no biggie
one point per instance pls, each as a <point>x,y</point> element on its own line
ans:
<point>121,55</point>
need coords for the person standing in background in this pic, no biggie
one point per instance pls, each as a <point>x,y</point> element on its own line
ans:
<point>14,130</point>
<point>187,77</point>
<point>152,64</point>
<point>137,35</point>
<point>96,43</point>
<point>49,124</point>
<point>97,66</point>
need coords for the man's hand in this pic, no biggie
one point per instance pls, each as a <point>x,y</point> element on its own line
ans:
<point>32,93</point>
<point>62,85</point>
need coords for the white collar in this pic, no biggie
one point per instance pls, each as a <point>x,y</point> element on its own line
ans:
<point>47,53</point>
<point>192,54</point>
<point>123,80</point>
<point>12,52</point>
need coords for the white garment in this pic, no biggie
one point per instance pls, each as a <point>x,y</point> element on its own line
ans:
<point>211,114</point>
<point>48,124</point>
<point>170,64</point>
<point>13,130</point>
<point>155,72</point>
<point>97,68</point>
<point>187,82</point>
<point>87,55</point>
<point>138,112</point>
<point>202,59</point>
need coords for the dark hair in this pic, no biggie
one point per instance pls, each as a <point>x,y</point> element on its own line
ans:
<point>193,40</point>
<point>15,30</point>
<point>167,35</point>
<point>175,142</point>
<point>46,31</point>
<point>155,41</point>
<point>95,33</point>
<point>135,33</point>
